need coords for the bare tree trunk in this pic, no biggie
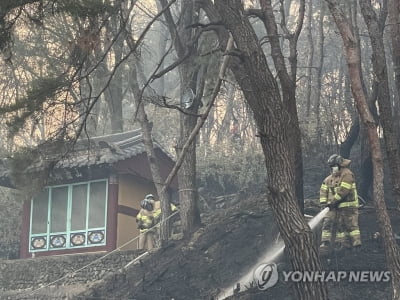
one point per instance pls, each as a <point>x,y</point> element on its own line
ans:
<point>152,157</point>
<point>161,51</point>
<point>353,61</point>
<point>394,29</point>
<point>310,60</point>
<point>263,96</point>
<point>208,129</point>
<point>223,131</point>
<point>288,84</point>
<point>375,29</point>
<point>188,194</point>
<point>113,95</point>
<point>345,147</point>
<point>319,66</point>
<point>188,72</point>
<point>366,178</point>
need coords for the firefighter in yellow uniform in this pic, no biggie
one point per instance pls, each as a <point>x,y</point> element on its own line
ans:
<point>157,207</point>
<point>145,220</point>
<point>339,193</point>
<point>157,211</point>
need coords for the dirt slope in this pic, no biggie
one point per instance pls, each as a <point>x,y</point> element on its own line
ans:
<point>216,256</point>
<point>371,258</point>
<point>222,251</point>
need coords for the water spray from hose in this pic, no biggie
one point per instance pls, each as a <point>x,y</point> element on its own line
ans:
<point>270,256</point>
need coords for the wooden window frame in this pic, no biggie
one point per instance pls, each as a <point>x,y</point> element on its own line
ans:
<point>68,233</point>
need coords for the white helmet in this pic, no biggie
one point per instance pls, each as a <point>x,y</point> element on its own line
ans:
<point>149,197</point>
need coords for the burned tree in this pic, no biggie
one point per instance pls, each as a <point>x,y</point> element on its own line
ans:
<point>353,61</point>
<point>262,93</point>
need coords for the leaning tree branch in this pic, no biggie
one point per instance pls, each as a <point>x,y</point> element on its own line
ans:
<point>203,118</point>
<point>180,109</point>
<point>172,27</point>
<point>383,15</point>
<point>132,50</point>
<point>283,20</point>
<point>189,51</point>
<point>255,12</point>
<point>172,66</point>
<point>202,25</point>
<point>300,19</point>
<point>156,75</point>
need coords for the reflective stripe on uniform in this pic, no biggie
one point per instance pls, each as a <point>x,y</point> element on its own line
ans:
<point>355,232</point>
<point>340,235</point>
<point>324,187</point>
<point>353,203</point>
<point>157,213</point>
<point>326,234</point>
<point>323,199</point>
<point>346,185</point>
<point>348,204</point>
<point>147,221</point>
<point>337,197</point>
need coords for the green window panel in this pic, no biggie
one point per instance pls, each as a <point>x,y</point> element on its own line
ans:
<point>39,213</point>
<point>97,205</point>
<point>69,216</point>
<point>79,207</point>
<point>59,209</point>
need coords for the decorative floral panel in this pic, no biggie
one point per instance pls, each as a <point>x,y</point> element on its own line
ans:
<point>39,242</point>
<point>78,239</point>
<point>58,241</point>
<point>96,237</point>
<point>69,216</point>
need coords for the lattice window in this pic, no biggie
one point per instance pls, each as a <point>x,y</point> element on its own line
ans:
<point>69,216</point>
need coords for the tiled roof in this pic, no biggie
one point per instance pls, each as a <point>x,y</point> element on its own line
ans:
<point>107,149</point>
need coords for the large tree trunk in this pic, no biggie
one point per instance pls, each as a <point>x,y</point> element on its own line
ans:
<point>188,72</point>
<point>319,66</point>
<point>310,60</point>
<point>162,44</point>
<point>353,61</point>
<point>263,96</point>
<point>345,147</point>
<point>223,131</point>
<point>113,95</point>
<point>375,30</point>
<point>288,85</point>
<point>394,29</point>
<point>152,157</point>
<point>366,178</point>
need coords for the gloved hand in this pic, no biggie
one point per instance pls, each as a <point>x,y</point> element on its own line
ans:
<point>333,205</point>
<point>140,224</point>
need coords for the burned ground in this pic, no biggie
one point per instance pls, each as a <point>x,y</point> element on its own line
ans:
<point>215,257</point>
<point>222,251</point>
<point>370,258</point>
